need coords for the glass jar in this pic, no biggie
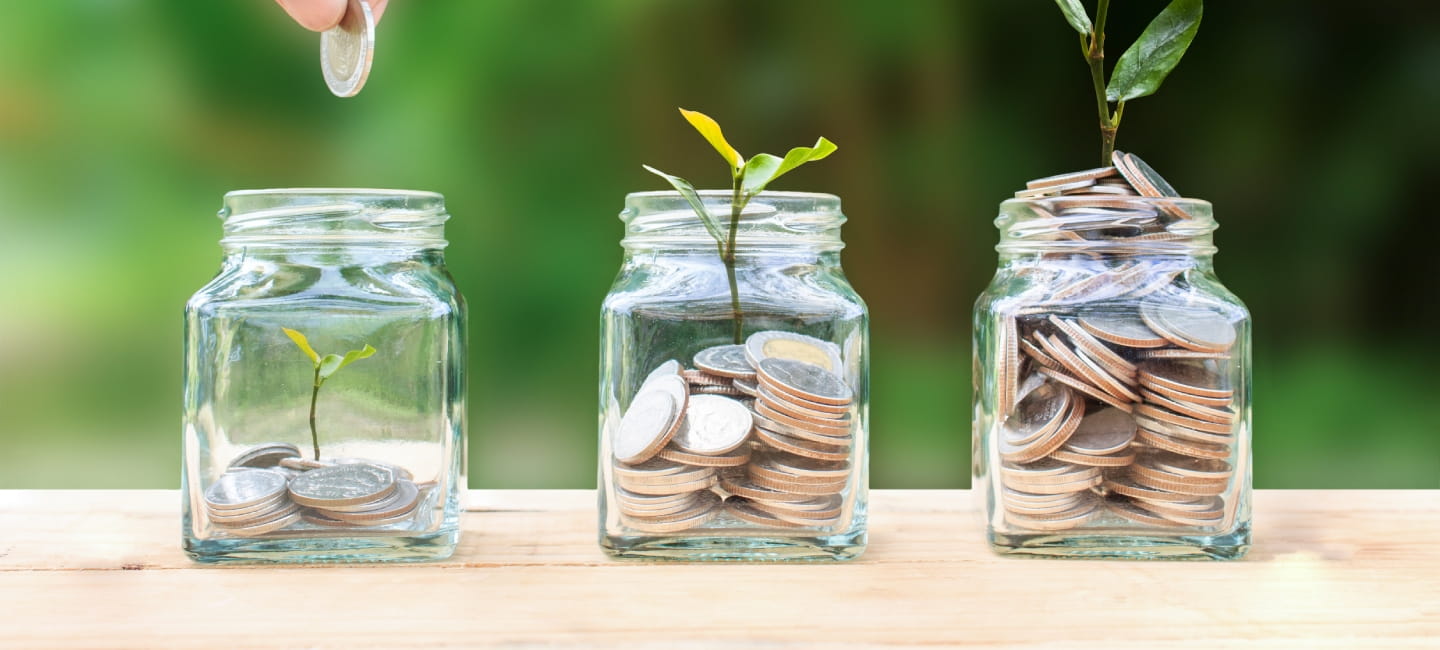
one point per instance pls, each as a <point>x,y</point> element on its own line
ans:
<point>725,437</point>
<point>1112,401</point>
<point>325,382</point>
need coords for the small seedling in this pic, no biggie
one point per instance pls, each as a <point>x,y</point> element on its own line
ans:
<point>1141,68</point>
<point>325,367</point>
<point>747,178</point>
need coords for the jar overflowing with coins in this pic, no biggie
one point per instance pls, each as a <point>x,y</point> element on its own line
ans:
<point>1112,414</point>
<point>733,404</point>
<point>325,383</point>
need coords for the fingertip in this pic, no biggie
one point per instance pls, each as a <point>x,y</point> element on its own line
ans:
<point>315,15</point>
<point>377,7</point>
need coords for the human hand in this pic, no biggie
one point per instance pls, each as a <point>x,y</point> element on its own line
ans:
<point>320,15</point>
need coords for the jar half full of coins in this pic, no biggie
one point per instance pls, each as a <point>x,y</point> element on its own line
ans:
<point>325,383</point>
<point>733,395</point>
<point>1112,414</point>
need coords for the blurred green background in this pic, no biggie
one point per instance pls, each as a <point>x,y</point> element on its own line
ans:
<point>1312,126</point>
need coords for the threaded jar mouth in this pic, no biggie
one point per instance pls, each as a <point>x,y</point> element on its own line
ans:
<point>334,216</point>
<point>771,220</point>
<point>1119,224</point>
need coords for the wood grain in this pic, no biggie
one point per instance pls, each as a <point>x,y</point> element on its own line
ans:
<point>1330,569</point>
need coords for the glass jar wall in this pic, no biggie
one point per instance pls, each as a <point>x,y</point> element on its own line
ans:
<point>725,432</point>
<point>325,382</point>
<point>1112,411</point>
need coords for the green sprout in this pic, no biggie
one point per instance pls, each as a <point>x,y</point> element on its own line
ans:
<point>1141,68</point>
<point>748,178</point>
<point>325,367</point>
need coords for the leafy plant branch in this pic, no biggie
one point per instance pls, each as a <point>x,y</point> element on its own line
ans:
<point>748,178</point>
<point>325,367</point>
<point>1141,68</point>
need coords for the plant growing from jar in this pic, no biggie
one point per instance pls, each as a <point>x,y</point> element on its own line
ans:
<point>748,178</point>
<point>1142,67</point>
<point>325,367</point>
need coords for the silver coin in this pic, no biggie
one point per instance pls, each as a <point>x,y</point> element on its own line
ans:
<point>400,472</point>
<point>805,380</point>
<point>1072,177</point>
<point>302,464</point>
<point>1150,176</point>
<point>650,422</point>
<point>403,500</point>
<point>667,369</point>
<point>347,49</point>
<point>342,485</point>
<point>788,345</point>
<point>262,510</point>
<point>281,519</point>
<point>1104,432</point>
<point>726,361</point>
<point>1189,327</point>
<point>245,488</point>
<point>265,455</point>
<point>714,425</point>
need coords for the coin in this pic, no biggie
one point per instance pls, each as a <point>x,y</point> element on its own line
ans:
<point>301,464</point>
<point>280,520</point>
<point>744,509</point>
<point>713,426</point>
<point>651,421</point>
<point>671,488</point>
<point>1187,448</point>
<point>798,347</point>
<point>745,487</point>
<point>1201,330</point>
<point>1087,389</point>
<point>801,447</point>
<point>1106,431</point>
<point>1129,331</point>
<point>726,361</point>
<point>806,381</point>
<point>800,467</point>
<point>1117,459</point>
<point>666,369</point>
<point>1222,416</point>
<point>735,458</point>
<point>1129,510</point>
<point>827,427</point>
<point>245,488</point>
<point>265,455</point>
<point>1063,179</point>
<point>748,387</point>
<point>403,500</point>
<point>342,485</point>
<point>347,49</point>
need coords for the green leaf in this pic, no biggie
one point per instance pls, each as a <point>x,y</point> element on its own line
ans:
<point>1075,15</point>
<point>356,355</point>
<point>1142,67</point>
<point>711,130</point>
<point>688,191</point>
<point>764,168</point>
<point>329,364</point>
<point>303,344</point>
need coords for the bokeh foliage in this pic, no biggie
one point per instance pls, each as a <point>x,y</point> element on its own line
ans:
<point>1310,125</point>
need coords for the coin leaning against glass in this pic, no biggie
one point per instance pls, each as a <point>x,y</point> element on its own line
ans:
<point>347,49</point>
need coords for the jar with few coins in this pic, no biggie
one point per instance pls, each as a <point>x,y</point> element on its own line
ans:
<point>1112,370</point>
<point>733,403</point>
<point>324,385</point>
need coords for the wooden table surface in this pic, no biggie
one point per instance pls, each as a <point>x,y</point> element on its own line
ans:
<point>1330,569</point>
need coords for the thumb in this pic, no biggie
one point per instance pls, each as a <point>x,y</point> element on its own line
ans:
<point>315,15</point>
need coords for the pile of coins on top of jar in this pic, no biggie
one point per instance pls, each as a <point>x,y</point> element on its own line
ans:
<point>759,433</point>
<point>1113,384</point>
<point>270,488</point>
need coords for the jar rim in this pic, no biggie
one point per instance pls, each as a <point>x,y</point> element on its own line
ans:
<point>1148,224</point>
<point>770,221</point>
<point>336,191</point>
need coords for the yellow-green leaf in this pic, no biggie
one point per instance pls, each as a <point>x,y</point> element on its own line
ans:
<point>711,130</point>
<point>693,198</point>
<point>329,364</point>
<point>764,168</point>
<point>303,344</point>
<point>356,355</point>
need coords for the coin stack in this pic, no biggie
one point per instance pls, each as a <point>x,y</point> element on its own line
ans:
<point>1114,385</point>
<point>761,431</point>
<point>269,487</point>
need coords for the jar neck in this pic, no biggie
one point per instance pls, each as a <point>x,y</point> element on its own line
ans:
<point>1119,228</point>
<point>771,225</point>
<point>333,224</point>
